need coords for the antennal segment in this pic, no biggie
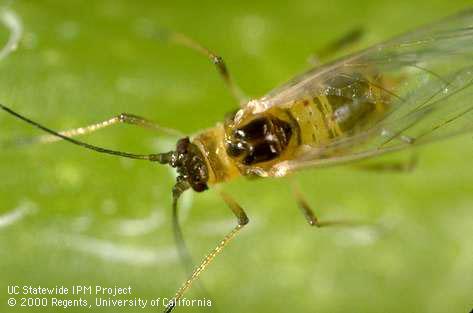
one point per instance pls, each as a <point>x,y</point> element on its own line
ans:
<point>163,158</point>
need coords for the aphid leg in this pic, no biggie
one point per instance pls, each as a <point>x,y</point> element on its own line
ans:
<point>183,40</point>
<point>240,214</point>
<point>162,158</point>
<point>312,218</point>
<point>336,46</point>
<point>242,219</point>
<point>184,254</point>
<point>123,118</point>
<point>400,166</point>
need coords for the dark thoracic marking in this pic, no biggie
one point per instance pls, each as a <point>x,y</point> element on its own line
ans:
<point>262,152</point>
<point>256,129</point>
<point>261,140</point>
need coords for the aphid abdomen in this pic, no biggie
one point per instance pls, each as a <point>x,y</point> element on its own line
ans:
<point>323,118</point>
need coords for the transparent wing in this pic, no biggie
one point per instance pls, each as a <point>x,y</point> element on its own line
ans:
<point>427,77</point>
<point>423,56</point>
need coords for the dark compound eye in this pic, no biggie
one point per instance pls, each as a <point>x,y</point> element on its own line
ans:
<point>199,187</point>
<point>182,145</point>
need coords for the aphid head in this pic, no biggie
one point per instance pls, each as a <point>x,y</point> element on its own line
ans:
<point>191,167</point>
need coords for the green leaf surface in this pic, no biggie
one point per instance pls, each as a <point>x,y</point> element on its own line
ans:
<point>72,217</point>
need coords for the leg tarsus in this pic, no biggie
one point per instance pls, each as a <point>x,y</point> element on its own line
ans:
<point>312,218</point>
<point>236,209</point>
<point>306,210</point>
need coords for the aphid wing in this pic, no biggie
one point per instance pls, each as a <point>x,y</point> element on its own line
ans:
<point>447,117</point>
<point>425,76</point>
<point>414,51</point>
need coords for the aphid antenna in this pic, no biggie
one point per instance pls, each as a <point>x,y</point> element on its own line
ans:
<point>162,158</point>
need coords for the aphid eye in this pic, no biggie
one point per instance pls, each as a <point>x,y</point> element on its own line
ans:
<point>199,187</point>
<point>182,145</point>
<point>235,149</point>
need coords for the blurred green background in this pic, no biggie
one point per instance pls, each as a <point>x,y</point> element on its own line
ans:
<point>69,216</point>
